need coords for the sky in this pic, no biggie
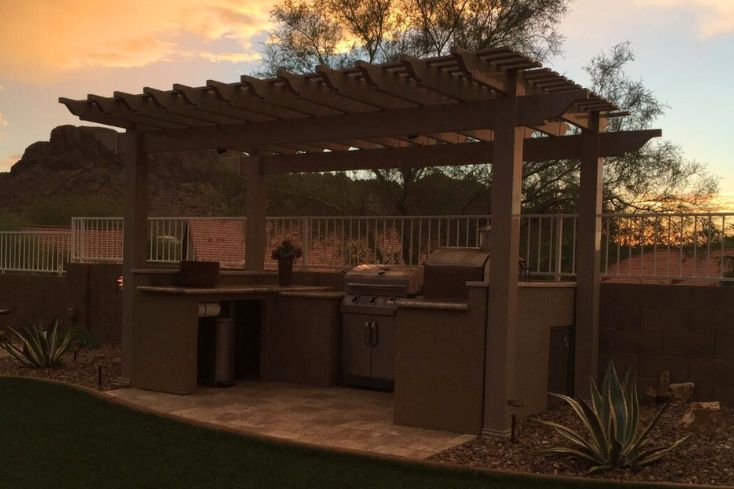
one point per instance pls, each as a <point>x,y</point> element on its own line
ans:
<point>51,48</point>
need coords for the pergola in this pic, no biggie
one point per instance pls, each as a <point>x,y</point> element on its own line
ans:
<point>493,106</point>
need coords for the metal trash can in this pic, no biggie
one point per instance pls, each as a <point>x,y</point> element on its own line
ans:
<point>224,357</point>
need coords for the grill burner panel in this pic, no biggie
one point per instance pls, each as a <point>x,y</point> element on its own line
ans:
<point>387,280</point>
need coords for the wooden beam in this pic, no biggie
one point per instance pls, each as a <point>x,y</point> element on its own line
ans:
<point>117,109</point>
<point>321,94</point>
<point>147,106</point>
<point>176,102</point>
<point>244,98</point>
<point>209,99</point>
<point>281,95</point>
<point>433,78</point>
<point>588,259</point>
<point>256,214</point>
<point>534,149</point>
<point>136,179</point>
<point>389,83</point>
<point>358,88</point>
<point>453,117</point>
<point>89,111</point>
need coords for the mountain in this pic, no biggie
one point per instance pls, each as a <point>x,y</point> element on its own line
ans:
<point>79,173</point>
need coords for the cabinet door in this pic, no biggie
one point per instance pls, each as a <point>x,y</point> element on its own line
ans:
<point>355,347</point>
<point>383,351</point>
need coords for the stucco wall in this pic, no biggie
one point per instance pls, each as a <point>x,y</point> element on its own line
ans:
<point>541,308</point>
<point>688,330</point>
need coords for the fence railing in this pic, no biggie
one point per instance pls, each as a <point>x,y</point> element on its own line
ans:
<point>34,251</point>
<point>677,247</point>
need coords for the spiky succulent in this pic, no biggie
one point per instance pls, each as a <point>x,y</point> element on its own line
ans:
<point>37,347</point>
<point>611,421</point>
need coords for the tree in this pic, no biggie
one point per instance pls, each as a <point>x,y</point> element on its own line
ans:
<point>336,33</point>
<point>656,178</point>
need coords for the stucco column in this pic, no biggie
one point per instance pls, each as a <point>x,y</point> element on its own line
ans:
<point>505,254</point>
<point>588,261</point>
<point>135,234</point>
<point>256,213</point>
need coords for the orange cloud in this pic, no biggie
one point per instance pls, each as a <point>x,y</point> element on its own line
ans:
<point>714,17</point>
<point>49,37</point>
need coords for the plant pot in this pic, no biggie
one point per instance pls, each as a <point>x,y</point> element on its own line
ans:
<point>285,270</point>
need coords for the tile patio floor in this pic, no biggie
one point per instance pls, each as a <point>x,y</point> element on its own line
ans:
<point>336,417</point>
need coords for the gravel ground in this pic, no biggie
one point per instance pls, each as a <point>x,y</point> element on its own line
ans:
<point>83,371</point>
<point>700,460</point>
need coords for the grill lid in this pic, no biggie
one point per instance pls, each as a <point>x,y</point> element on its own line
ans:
<point>390,280</point>
<point>458,257</point>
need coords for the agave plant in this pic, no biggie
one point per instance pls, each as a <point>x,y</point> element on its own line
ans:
<point>611,421</point>
<point>38,347</point>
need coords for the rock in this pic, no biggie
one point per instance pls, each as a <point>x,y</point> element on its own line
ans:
<point>682,392</point>
<point>703,418</point>
<point>662,391</point>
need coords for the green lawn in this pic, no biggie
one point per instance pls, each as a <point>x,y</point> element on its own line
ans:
<point>58,437</point>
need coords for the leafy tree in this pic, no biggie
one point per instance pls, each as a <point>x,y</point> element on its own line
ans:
<point>656,178</point>
<point>336,33</point>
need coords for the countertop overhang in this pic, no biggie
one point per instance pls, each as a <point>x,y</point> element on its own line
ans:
<point>231,290</point>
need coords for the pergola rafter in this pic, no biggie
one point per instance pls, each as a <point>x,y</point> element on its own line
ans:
<point>485,106</point>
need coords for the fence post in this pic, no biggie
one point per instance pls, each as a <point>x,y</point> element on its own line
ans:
<point>559,246</point>
<point>306,230</point>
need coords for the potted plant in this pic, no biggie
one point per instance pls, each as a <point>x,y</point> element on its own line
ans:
<point>286,253</point>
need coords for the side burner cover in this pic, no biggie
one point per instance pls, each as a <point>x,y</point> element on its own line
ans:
<point>447,271</point>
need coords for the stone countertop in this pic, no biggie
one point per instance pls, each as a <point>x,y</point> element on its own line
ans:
<point>325,294</point>
<point>431,305</point>
<point>547,285</point>
<point>231,290</point>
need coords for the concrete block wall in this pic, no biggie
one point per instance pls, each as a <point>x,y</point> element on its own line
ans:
<point>91,290</point>
<point>688,330</point>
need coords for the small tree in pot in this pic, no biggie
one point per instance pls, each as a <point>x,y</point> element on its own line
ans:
<point>286,253</point>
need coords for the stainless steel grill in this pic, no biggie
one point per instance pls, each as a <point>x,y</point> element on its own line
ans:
<point>368,322</point>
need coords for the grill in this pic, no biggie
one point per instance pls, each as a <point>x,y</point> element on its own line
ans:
<point>447,270</point>
<point>368,322</point>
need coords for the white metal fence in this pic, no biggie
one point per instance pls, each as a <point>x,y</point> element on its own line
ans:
<point>671,247</point>
<point>34,251</point>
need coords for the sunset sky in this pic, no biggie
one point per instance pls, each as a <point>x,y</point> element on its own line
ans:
<point>52,48</point>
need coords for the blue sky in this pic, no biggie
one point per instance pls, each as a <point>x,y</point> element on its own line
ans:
<point>684,53</point>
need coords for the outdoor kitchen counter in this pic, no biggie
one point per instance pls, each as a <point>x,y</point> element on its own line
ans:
<point>296,329</point>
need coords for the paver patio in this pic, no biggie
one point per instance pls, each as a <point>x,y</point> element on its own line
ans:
<point>334,417</point>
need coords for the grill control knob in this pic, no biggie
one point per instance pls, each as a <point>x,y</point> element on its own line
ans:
<point>373,299</point>
<point>355,299</point>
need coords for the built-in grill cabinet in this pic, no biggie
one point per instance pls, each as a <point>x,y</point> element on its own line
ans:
<point>368,322</point>
<point>447,270</point>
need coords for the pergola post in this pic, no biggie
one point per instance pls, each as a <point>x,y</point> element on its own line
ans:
<point>505,254</point>
<point>588,260</point>
<point>134,235</point>
<point>256,214</point>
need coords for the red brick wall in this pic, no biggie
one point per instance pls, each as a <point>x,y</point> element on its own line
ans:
<point>688,330</point>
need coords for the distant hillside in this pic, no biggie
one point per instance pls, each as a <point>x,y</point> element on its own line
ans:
<point>77,172</point>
